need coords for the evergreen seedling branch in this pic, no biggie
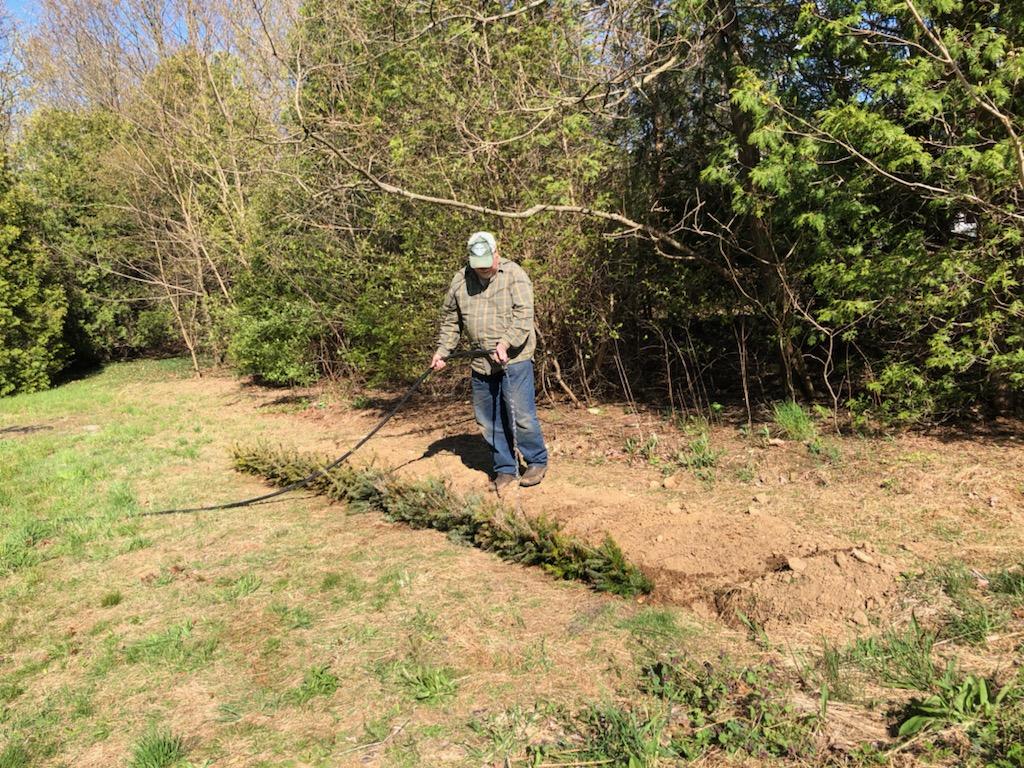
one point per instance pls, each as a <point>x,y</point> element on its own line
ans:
<point>431,504</point>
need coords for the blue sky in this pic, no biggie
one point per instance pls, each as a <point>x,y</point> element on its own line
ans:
<point>23,11</point>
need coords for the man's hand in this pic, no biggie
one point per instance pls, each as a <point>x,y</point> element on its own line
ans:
<point>437,363</point>
<point>500,354</point>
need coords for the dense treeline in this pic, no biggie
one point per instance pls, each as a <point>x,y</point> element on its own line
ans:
<point>715,198</point>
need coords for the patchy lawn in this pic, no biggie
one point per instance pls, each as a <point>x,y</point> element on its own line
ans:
<point>813,593</point>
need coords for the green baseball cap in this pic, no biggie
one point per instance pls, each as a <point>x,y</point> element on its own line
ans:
<point>482,246</point>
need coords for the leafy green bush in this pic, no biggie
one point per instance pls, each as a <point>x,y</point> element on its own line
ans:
<point>275,341</point>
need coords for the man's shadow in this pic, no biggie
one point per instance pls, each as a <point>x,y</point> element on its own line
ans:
<point>470,448</point>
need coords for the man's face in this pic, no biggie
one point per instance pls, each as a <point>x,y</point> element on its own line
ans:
<point>489,272</point>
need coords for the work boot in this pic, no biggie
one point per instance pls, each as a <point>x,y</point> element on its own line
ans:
<point>503,481</point>
<point>533,475</point>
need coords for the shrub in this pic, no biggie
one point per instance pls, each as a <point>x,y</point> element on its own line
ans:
<point>274,342</point>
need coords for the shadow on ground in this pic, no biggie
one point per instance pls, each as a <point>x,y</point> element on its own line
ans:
<point>470,448</point>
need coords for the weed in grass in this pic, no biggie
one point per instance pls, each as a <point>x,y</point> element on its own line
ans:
<point>948,531</point>
<point>892,485</point>
<point>425,683</point>
<point>830,675</point>
<point>534,658</point>
<point>746,474</point>
<point>157,749</point>
<point>175,645</point>
<point>244,585</point>
<point>737,710</point>
<point>424,624</point>
<point>15,755</point>
<point>1008,582</point>
<point>955,580</point>
<point>121,499</point>
<point>699,454</point>
<point>825,450</point>
<point>971,700</point>
<point>9,692</point>
<point>351,586</point>
<point>794,422</point>
<point>136,543</point>
<point>293,617</point>
<point>626,737</point>
<point>404,754</point>
<point>502,735</point>
<point>106,657</point>
<point>330,581</point>
<point>974,621</point>
<point>111,599</point>
<point>270,646</point>
<point>646,449</point>
<point>17,549</point>
<point>318,681</point>
<point>901,658</point>
<point>377,729</point>
<point>387,587</point>
<point>653,624</point>
<point>230,713</point>
<point>755,630</point>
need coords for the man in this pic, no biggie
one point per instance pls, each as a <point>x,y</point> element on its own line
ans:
<point>492,301</point>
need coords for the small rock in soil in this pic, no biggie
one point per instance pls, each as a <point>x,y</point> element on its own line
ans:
<point>796,564</point>
<point>859,618</point>
<point>864,557</point>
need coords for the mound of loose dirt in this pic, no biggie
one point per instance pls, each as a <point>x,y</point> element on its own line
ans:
<point>817,591</point>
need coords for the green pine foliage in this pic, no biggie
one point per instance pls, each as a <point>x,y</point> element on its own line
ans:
<point>431,504</point>
<point>33,305</point>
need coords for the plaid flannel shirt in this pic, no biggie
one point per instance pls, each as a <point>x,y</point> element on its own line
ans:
<point>499,310</point>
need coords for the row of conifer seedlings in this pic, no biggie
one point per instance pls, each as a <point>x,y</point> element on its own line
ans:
<point>491,526</point>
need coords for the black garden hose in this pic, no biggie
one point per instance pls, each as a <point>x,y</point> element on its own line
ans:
<point>468,354</point>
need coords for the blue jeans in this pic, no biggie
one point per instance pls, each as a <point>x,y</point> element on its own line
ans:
<point>490,393</point>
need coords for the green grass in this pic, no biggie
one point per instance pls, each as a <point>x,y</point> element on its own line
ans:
<point>67,490</point>
<point>110,599</point>
<point>243,586</point>
<point>292,616</point>
<point>831,679</point>
<point>175,645</point>
<point>794,422</point>
<point>1008,582</point>
<point>973,621</point>
<point>14,755</point>
<point>901,658</point>
<point>654,626</point>
<point>317,681</point>
<point>425,683</point>
<point>699,455</point>
<point>157,749</point>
